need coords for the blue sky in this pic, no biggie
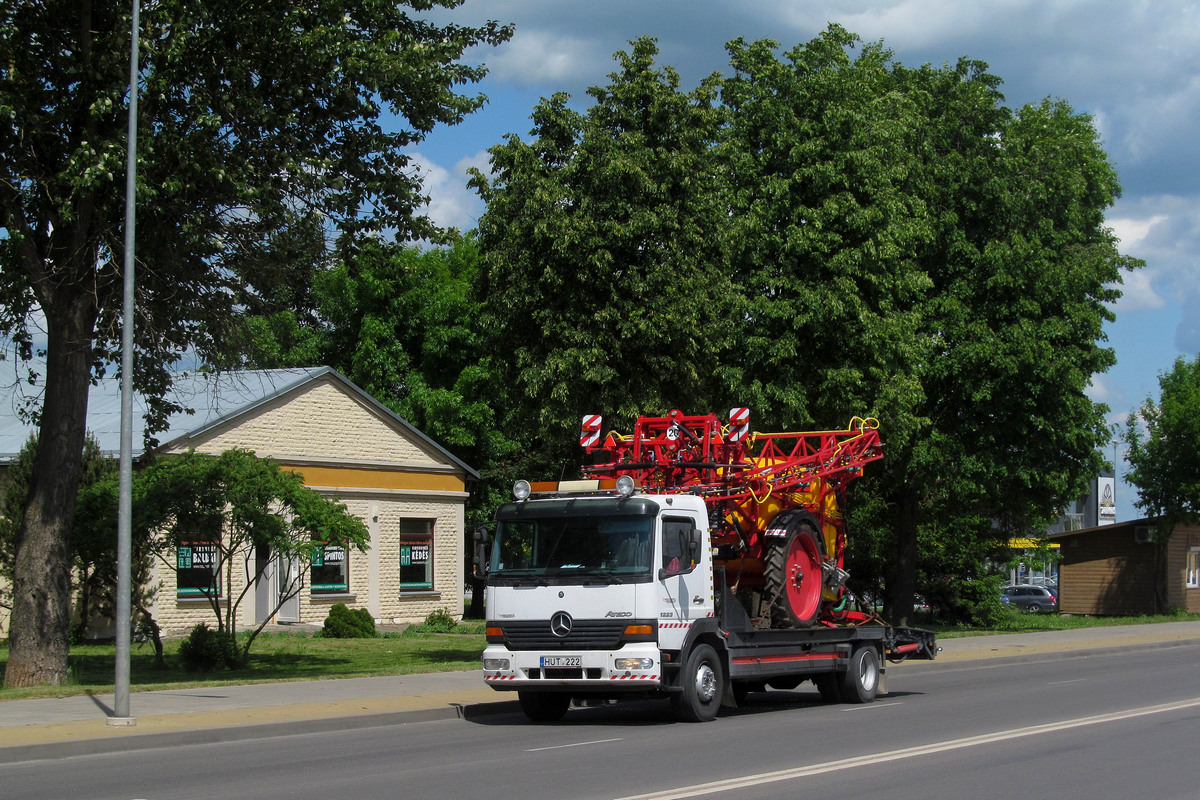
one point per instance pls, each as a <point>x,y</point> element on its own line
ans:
<point>1134,66</point>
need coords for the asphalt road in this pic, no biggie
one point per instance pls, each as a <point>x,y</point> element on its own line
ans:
<point>1068,728</point>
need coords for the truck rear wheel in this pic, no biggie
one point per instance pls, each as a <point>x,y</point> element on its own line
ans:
<point>860,682</point>
<point>544,706</point>
<point>792,579</point>
<point>701,681</point>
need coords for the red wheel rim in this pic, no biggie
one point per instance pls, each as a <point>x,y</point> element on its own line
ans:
<point>802,576</point>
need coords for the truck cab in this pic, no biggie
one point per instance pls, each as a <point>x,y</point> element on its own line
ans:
<point>589,591</point>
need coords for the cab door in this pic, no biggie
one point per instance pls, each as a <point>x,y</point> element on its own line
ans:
<point>684,577</point>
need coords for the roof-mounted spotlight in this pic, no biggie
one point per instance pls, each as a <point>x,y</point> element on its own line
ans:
<point>625,485</point>
<point>521,490</point>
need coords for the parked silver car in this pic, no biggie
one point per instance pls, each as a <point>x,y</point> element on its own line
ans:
<point>1032,598</point>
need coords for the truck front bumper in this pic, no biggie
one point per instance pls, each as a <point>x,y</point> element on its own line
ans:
<point>633,667</point>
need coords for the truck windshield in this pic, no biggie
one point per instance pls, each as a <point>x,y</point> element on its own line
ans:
<point>612,548</point>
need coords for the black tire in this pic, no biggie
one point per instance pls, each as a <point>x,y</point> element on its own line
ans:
<point>792,579</point>
<point>1033,608</point>
<point>860,682</point>
<point>701,682</point>
<point>544,706</point>
<point>829,684</point>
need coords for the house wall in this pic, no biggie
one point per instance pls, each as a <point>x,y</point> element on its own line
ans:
<point>1105,572</point>
<point>344,449</point>
<point>1179,595</point>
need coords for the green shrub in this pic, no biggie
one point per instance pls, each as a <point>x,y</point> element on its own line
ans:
<point>349,623</point>
<point>440,621</point>
<point>208,650</point>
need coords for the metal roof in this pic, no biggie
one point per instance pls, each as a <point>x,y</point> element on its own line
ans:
<point>208,399</point>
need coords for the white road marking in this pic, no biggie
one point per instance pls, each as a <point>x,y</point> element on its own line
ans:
<point>574,744</point>
<point>731,784</point>
<point>1060,683</point>
<point>869,706</point>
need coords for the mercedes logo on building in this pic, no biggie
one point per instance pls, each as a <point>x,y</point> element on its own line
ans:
<point>560,624</point>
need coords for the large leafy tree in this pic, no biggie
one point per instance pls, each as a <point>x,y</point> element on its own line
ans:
<point>819,150</point>
<point>402,323</point>
<point>602,277</point>
<point>1164,449</point>
<point>925,254</point>
<point>1024,271</point>
<point>405,324</point>
<point>880,241</point>
<point>255,119</point>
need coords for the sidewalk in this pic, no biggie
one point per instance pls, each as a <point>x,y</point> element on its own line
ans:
<point>58,727</point>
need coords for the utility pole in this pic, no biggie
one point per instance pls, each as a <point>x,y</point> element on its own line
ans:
<point>121,715</point>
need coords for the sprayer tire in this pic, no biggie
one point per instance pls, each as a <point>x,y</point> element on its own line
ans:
<point>793,579</point>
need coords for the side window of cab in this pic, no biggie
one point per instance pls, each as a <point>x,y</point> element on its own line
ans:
<point>681,546</point>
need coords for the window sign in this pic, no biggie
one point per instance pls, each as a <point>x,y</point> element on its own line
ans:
<point>416,555</point>
<point>196,569</point>
<point>330,572</point>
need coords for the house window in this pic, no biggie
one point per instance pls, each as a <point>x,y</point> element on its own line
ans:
<point>197,570</point>
<point>1193,568</point>
<point>416,555</point>
<point>330,570</point>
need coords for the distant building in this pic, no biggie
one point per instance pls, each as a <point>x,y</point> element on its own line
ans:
<point>410,492</point>
<point>1118,569</point>
<point>1097,507</point>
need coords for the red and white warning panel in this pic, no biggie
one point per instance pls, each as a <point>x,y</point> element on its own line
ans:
<point>739,424</point>
<point>589,432</point>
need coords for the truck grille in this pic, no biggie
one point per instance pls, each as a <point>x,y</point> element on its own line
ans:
<point>585,635</point>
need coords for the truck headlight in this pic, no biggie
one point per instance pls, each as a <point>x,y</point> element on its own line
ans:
<point>633,663</point>
<point>495,664</point>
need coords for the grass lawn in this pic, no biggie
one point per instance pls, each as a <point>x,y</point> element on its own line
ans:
<point>293,656</point>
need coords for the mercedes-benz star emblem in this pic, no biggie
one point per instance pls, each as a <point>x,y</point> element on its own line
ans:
<point>560,624</point>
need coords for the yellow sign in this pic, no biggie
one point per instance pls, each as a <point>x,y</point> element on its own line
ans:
<point>1031,544</point>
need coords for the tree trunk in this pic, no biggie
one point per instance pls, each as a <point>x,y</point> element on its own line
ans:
<point>478,591</point>
<point>902,572</point>
<point>41,615</point>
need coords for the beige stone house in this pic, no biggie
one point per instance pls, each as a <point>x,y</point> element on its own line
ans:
<point>410,492</point>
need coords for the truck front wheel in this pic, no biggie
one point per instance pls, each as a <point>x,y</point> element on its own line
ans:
<point>861,679</point>
<point>544,706</point>
<point>700,681</point>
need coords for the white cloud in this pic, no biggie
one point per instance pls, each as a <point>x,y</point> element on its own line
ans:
<point>1098,390</point>
<point>451,203</point>
<point>1133,231</point>
<point>1164,231</point>
<point>1137,291</point>
<point>543,57</point>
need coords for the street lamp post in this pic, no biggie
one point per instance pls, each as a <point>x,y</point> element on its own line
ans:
<point>121,715</point>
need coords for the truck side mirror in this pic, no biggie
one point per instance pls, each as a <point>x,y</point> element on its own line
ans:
<point>481,561</point>
<point>696,545</point>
